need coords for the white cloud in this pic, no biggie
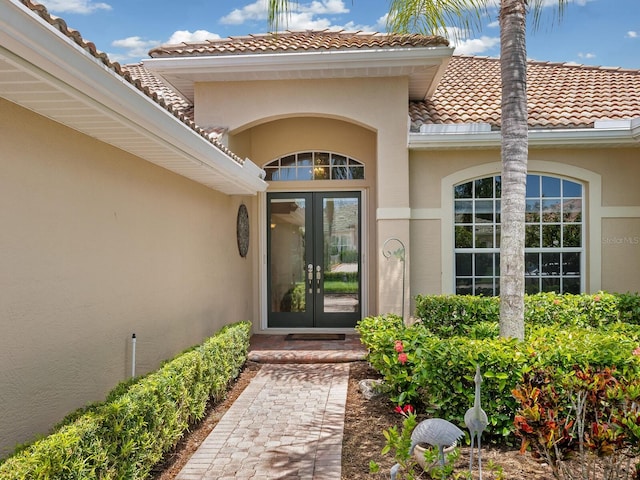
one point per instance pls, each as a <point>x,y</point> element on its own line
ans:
<point>134,48</point>
<point>301,16</point>
<point>254,11</point>
<point>474,46</point>
<point>75,6</point>
<point>631,34</point>
<point>180,36</point>
<point>586,56</point>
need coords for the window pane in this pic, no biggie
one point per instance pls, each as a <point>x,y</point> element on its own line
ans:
<point>269,173</point>
<point>305,173</point>
<point>484,211</point>
<point>321,158</point>
<point>484,286</point>
<point>463,264</point>
<point>288,161</point>
<point>571,285</point>
<point>321,173</point>
<point>357,173</point>
<point>340,173</point>
<point>338,159</point>
<point>464,286</point>
<point>484,265</point>
<point>551,210</point>
<point>463,191</point>
<point>464,237</point>
<point>484,188</point>
<point>572,236</point>
<point>498,187</point>
<point>532,236</point>
<point>571,189</point>
<point>531,285</point>
<point>483,236</point>
<point>305,159</point>
<point>572,210</point>
<point>533,186</point>
<point>497,236</point>
<point>551,285</point>
<point>571,263</point>
<point>550,264</point>
<point>551,236</point>
<point>286,174</point>
<point>463,211</point>
<point>532,211</point>
<point>550,187</point>
<point>532,264</point>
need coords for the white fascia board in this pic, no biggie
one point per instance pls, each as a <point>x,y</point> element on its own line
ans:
<point>65,65</point>
<point>339,60</point>
<point>537,138</point>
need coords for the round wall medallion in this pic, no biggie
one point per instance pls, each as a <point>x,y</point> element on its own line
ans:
<point>242,230</point>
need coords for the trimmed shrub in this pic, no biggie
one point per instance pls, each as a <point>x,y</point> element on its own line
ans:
<point>449,315</point>
<point>435,373</point>
<point>125,436</point>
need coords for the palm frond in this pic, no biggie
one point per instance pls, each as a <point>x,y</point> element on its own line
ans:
<point>436,17</point>
<point>278,10</point>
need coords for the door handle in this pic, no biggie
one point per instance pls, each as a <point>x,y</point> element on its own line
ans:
<point>318,277</point>
<point>310,277</point>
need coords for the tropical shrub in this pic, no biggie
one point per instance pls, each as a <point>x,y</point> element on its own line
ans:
<point>586,414</point>
<point>435,373</point>
<point>126,435</point>
<point>449,315</point>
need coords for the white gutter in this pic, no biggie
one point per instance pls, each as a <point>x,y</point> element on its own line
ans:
<point>605,132</point>
<point>63,64</point>
<point>383,58</point>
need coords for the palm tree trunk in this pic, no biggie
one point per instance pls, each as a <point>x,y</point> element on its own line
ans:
<point>515,146</point>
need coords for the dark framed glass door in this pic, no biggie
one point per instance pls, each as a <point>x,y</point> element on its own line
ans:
<point>314,259</point>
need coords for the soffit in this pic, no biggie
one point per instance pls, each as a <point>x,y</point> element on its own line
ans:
<point>49,69</point>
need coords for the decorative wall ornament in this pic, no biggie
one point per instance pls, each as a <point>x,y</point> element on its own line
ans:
<point>242,230</point>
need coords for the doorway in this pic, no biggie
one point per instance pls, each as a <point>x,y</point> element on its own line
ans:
<point>314,259</point>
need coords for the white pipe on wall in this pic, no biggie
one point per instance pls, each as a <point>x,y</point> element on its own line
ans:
<point>133,355</point>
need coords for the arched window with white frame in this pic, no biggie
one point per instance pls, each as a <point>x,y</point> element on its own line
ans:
<point>554,244</point>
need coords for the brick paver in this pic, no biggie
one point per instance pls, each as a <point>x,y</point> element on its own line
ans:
<point>287,424</point>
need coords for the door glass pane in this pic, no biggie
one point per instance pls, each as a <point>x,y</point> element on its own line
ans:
<point>341,276</point>
<point>287,255</point>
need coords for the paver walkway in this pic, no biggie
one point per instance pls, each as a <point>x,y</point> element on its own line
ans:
<point>287,424</point>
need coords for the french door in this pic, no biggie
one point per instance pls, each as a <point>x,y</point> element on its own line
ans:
<point>314,259</point>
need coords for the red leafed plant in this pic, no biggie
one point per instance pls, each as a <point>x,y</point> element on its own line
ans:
<point>586,415</point>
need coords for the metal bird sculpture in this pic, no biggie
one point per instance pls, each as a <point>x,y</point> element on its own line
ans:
<point>433,431</point>
<point>476,421</point>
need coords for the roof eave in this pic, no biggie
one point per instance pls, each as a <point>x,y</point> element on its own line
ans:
<point>582,137</point>
<point>57,64</point>
<point>183,71</point>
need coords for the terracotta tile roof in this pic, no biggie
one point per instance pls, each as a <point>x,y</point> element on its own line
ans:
<point>560,95</point>
<point>141,79</point>
<point>288,42</point>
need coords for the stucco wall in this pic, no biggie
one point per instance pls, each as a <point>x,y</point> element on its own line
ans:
<point>612,203</point>
<point>375,109</point>
<point>96,245</point>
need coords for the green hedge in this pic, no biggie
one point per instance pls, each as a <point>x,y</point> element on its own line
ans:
<point>129,433</point>
<point>447,315</point>
<point>437,373</point>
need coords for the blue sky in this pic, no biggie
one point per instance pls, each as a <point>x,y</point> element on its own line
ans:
<point>592,32</point>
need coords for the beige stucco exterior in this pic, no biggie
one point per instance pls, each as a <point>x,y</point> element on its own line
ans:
<point>365,118</point>
<point>97,245</point>
<point>612,209</point>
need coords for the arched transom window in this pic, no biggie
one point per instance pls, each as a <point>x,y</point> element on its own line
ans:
<point>314,166</point>
<point>553,235</point>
